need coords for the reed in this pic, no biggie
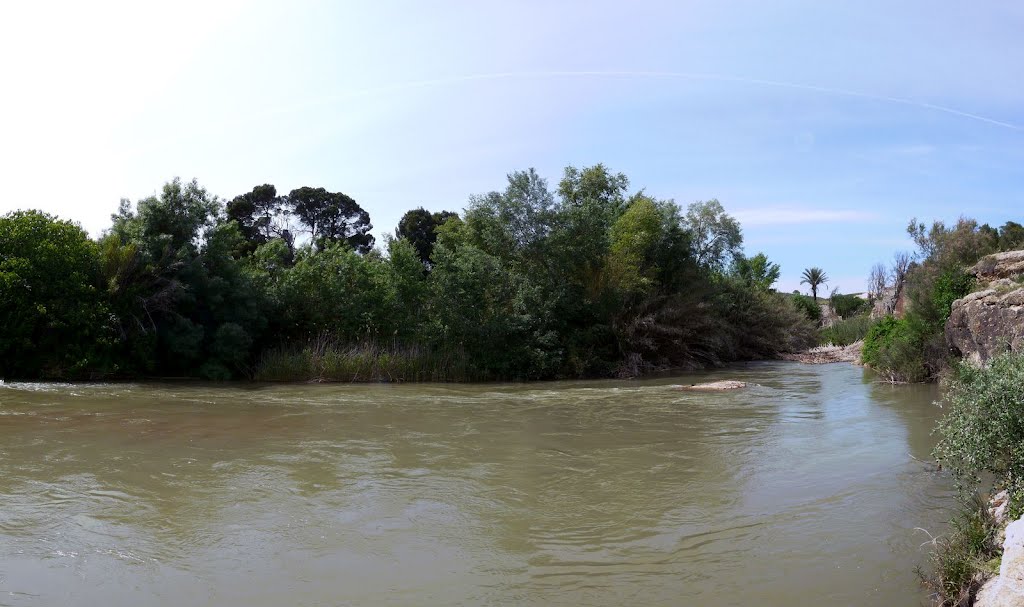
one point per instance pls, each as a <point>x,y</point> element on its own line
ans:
<point>845,332</point>
<point>325,359</point>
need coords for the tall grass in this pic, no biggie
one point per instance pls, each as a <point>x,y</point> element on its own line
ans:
<point>845,332</point>
<point>324,359</point>
<point>963,559</point>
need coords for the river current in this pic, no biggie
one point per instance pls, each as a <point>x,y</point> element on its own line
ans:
<point>804,489</point>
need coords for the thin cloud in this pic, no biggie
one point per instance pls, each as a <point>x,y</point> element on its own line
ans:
<point>435,82</point>
<point>405,86</point>
<point>791,216</point>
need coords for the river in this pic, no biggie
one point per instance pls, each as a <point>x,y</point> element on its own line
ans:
<point>801,490</point>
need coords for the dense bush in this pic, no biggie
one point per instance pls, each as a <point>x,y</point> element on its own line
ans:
<point>808,306</point>
<point>983,428</point>
<point>894,346</point>
<point>847,306</point>
<point>950,286</point>
<point>845,332</point>
<point>54,322</point>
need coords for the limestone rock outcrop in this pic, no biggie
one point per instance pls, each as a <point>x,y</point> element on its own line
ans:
<point>1009,264</point>
<point>1007,589</point>
<point>990,321</point>
<point>987,323</point>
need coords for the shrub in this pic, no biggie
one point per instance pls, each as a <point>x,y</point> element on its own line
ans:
<point>950,286</point>
<point>966,551</point>
<point>847,306</point>
<point>894,346</point>
<point>845,332</point>
<point>983,428</point>
<point>808,306</point>
<point>54,322</point>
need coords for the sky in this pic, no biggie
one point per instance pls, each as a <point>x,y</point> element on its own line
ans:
<point>824,127</point>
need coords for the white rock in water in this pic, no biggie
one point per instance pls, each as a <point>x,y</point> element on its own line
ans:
<point>715,386</point>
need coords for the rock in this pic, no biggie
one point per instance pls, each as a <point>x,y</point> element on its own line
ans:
<point>890,301</point>
<point>986,323</point>
<point>997,506</point>
<point>1009,264</point>
<point>1007,589</point>
<point>714,386</point>
<point>828,315</point>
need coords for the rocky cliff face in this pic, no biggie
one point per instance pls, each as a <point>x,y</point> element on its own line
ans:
<point>990,321</point>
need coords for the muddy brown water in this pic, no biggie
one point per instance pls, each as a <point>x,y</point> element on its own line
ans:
<point>801,490</point>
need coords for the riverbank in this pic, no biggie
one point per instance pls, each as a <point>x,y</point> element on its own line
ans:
<point>823,355</point>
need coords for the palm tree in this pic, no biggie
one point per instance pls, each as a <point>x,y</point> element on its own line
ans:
<point>814,277</point>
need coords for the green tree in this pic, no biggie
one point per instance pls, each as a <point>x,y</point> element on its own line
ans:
<point>53,318</point>
<point>515,222</point>
<point>169,226</point>
<point>332,290</point>
<point>757,271</point>
<point>258,214</point>
<point>715,235</point>
<point>405,289</point>
<point>178,287</point>
<point>419,228</point>
<point>332,217</point>
<point>1011,236</point>
<point>497,316</point>
<point>814,278</point>
<point>633,239</point>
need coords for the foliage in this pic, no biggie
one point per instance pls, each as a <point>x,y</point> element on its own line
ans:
<point>918,351</point>
<point>983,427</point>
<point>53,318</point>
<point>332,217</point>
<point>419,228</point>
<point>814,278</point>
<point>808,306</point>
<point>846,331</point>
<point>259,216</point>
<point>324,359</point>
<point>893,346</point>
<point>756,271</point>
<point>717,238</point>
<point>950,286</point>
<point>966,551</point>
<point>586,279</point>
<point>180,295</point>
<point>1011,236</point>
<point>847,306</point>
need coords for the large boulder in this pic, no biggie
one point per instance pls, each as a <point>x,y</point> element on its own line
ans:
<point>1009,264</point>
<point>990,321</point>
<point>987,323</point>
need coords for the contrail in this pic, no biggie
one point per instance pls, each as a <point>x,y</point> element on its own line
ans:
<point>439,82</point>
<point>635,74</point>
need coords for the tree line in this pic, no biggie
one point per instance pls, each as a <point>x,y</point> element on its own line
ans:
<point>587,279</point>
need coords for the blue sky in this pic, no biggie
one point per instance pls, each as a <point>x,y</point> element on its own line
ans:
<point>823,126</point>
